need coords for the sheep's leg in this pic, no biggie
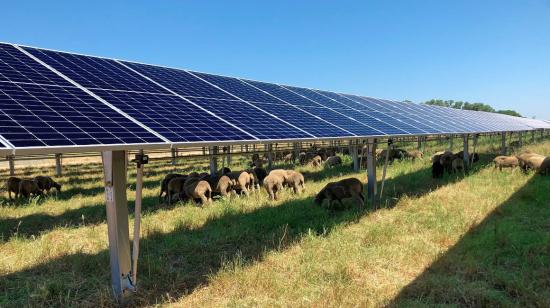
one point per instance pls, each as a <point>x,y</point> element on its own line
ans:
<point>204,200</point>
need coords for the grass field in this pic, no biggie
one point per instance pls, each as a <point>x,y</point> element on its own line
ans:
<point>479,240</point>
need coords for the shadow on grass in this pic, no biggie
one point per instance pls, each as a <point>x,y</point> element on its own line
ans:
<point>502,262</point>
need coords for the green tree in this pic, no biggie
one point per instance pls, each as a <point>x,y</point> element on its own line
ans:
<point>470,106</point>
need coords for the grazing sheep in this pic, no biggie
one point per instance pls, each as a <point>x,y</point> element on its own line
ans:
<point>506,162</point>
<point>46,183</point>
<point>437,169</point>
<point>12,185</point>
<point>474,158</point>
<point>291,178</point>
<point>273,183</point>
<point>289,158</point>
<point>175,187</point>
<point>165,181</point>
<point>316,161</point>
<point>536,162</point>
<point>446,160</point>
<point>333,161</point>
<point>221,185</point>
<point>393,154</point>
<point>544,167</point>
<point>336,191</point>
<point>242,179</point>
<point>28,187</point>
<point>437,156</point>
<point>253,179</point>
<point>295,180</point>
<point>525,158</point>
<point>302,158</point>
<point>261,173</point>
<point>414,154</point>
<point>458,165</point>
<point>198,189</point>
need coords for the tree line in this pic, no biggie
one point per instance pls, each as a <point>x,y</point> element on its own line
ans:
<point>470,106</point>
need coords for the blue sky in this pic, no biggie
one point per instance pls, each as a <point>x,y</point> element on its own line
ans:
<point>496,52</point>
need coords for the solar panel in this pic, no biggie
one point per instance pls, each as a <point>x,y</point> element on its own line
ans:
<point>38,108</point>
<point>252,119</point>
<point>154,106</point>
<point>63,100</point>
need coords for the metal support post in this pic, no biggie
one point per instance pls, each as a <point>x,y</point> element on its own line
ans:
<point>174,155</point>
<point>419,146</point>
<point>466,154</point>
<point>296,147</point>
<point>503,144</point>
<point>533,136</point>
<point>58,168</point>
<point>371,171</point>
<point>269,156</point>
<point>354,155</point>
<point>114,168</point>
<point>140,160</point>
<point>520,139</point>
<point>11,162</point>
<point>451,140</point>
<point>228,156</point>
<point>213,151</point>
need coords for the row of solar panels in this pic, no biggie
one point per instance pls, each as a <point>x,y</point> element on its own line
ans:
<point>65,101</point>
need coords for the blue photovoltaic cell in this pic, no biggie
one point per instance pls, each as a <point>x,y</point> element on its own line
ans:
<point>62,116</point>
<point>239,88</point>
<point>320,99</point>
<point>343,121</point>
<point>180,81</point>
<point>282,93</point>
<point>364,117</point>
<point>251,119</point>
<point>15,66</point>
<point>95,73</point>
<point>172,117</point>
<point>344,101</point>
<point>368,103</point>
<point>303,120</point>
<point>422,127</point>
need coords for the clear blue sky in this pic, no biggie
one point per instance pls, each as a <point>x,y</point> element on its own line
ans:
<point>496,52</point>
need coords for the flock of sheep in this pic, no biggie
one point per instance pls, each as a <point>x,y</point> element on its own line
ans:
<point>30,187</point>
<point>526,160</point>
<point>202,187</point>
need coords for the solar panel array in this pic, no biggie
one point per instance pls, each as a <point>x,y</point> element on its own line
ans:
<point>63,100</point>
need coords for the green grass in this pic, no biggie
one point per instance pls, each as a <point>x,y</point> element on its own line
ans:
<point>480,240</point>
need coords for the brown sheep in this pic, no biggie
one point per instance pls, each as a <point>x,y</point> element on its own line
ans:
<point>12,185</point>
<point>28,187</point>
<point>175,187</point>
<point>291,178</point>
<point>458,165</point>
<point>165,181</point>
<point>289,158</point>
<point>527,156</point>
<point>46,183</point>
<point>198,189</point>
<point>316,161</point>
<point>253,179</point>
<point>446,160</point>
<point>536,162</point>
<point>414,154</point>
<point>336,191</point>
<point>221,185</point>
<point>295,180</point>
<point>506,162</point>
<point>273,183</point>
<point>333,161</point>
<point>242,179</point>
<point>472,157</point>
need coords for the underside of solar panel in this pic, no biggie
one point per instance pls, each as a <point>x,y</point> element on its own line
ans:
<point>60,101</point>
